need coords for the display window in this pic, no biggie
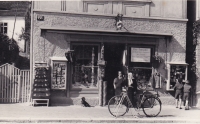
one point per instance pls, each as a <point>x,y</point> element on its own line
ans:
<point>176,71</point>
<point>58,78</point>
<point>140,63</point>
<point>85,69</point>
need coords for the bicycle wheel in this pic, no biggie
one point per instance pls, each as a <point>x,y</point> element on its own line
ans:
<point>151,106</point>
<point>115,108</point>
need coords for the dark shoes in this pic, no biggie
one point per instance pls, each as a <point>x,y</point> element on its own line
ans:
<point>186,108</point>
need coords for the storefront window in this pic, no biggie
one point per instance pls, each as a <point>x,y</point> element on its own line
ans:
<point>177,72</point>
<point>140,63</point>
<point>85,68</point>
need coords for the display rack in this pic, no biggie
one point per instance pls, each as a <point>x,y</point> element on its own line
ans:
<point>41,86</point>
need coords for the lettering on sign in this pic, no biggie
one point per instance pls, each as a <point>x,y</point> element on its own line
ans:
<point>40,18</point>
<point>140,54</point>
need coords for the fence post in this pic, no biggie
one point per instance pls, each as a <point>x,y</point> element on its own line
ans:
<point>19,89</point>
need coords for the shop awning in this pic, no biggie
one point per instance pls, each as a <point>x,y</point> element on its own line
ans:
<point>104,32</point>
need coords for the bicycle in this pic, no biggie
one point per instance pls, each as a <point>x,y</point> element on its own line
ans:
<point>119,105</point>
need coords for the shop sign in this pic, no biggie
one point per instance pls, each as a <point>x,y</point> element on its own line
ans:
<point>40,18</point>
<point>140,54</point>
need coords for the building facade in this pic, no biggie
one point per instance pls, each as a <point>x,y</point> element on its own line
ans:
<point>10,25</point>
<point>148,30</point>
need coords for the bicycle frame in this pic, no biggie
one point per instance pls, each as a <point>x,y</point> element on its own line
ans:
<point>130,105</point>
<point>141,100</point>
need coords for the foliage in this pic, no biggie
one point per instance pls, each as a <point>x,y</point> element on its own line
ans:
<point>25,32</point>
<point>24,35</point>
<point>9,50</point>
<point>196,32</point>
<point>157,58</point>
<point>23,63</point>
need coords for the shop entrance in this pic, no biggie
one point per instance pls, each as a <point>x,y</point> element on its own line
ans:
<point>113,56</point>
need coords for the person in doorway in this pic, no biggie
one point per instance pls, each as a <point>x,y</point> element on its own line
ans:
<point>186,90</point>
<point>178,92</point>
<point>118,83</point>
<point>132,87</point>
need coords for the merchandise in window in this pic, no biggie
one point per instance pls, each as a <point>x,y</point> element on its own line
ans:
<point>176,72</point>
<point>85,69</point>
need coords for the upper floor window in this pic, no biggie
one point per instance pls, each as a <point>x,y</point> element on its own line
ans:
<point>4,27</point>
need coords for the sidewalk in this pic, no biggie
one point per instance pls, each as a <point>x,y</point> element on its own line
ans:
<point>65,114</point>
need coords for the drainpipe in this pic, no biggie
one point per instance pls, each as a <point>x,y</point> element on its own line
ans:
<point>31,53</point>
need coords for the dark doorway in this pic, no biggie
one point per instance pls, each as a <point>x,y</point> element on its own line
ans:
<point>113,56</point>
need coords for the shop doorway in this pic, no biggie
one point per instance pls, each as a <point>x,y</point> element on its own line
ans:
<point>113,56</point>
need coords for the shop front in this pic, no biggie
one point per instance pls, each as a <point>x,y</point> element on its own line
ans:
<point>81,77</point>
<point>151,53</point>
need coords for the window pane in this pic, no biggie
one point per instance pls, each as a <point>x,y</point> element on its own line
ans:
<point>5,24</point>
<point>85,75</point>
<point>5,30</point>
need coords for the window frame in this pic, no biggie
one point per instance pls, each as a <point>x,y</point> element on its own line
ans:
<point>85,44</point>
<point>3,26</point>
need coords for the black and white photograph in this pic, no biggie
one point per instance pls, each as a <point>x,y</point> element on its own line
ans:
<point>100,61</point>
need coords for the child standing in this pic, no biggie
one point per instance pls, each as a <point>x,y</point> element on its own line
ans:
<point>178,92</point>
<point>186,90</point>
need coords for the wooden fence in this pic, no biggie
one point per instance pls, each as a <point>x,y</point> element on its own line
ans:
<point>14,84</point>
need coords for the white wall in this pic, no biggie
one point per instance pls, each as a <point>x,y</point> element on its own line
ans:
<point>20,23</point>
<point>197,9</point>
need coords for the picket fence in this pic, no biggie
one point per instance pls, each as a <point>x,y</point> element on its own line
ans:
<point>14,84</point>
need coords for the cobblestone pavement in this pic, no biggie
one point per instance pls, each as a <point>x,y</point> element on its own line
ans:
<point>60,114</point>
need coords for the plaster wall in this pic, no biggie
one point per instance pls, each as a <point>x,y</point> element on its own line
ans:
<point>156,8</point>
<point>197,9</point>
<point>56,44</point>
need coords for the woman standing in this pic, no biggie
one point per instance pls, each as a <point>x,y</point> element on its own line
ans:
<point>178,92</point>
<point>117,83</point>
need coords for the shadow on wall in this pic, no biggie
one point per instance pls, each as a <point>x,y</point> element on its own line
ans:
<point>55,45</point>
<point>175,49</point>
